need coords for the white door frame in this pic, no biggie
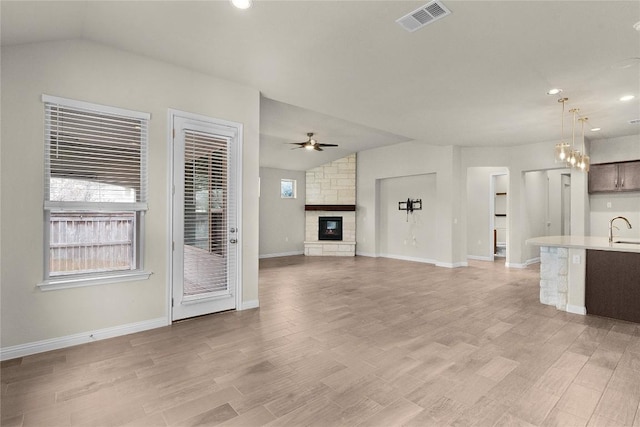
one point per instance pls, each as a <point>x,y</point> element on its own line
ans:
<point>492,212</point>
<point>171,115</point>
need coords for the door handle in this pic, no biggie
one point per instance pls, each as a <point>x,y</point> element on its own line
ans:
<point>233,240</point>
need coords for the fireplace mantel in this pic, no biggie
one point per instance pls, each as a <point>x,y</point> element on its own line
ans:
<point>330,208</point>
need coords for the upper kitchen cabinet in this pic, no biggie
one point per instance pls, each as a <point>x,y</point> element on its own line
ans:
<point>613,177</point>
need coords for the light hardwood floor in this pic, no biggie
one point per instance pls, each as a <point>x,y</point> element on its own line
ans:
<point>349,341</point>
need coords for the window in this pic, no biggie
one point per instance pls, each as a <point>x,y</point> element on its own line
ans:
<point>288,188</point>
<point>95,193</point>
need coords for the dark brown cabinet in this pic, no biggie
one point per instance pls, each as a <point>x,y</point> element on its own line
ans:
<point>613,285</point>
<point>613,177</point>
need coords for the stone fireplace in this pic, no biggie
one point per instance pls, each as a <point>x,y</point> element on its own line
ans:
<point>331,198</point>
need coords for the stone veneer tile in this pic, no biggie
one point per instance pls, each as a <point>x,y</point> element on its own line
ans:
<point>331,184</point>
<point>554,276</point>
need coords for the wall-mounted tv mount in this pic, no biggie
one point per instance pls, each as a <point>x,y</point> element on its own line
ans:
<point>410,205</point>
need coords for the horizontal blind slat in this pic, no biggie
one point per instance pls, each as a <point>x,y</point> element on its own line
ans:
<point>94,155</point>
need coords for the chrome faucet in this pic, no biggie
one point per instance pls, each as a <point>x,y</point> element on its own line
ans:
<point>611,226</point>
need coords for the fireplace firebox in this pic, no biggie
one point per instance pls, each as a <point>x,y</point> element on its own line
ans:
<point>330,228</point>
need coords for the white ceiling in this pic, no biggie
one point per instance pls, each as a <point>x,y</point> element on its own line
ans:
<point>348,72</point>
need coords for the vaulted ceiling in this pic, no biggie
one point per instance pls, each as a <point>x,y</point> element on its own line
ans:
<point>347,71</point>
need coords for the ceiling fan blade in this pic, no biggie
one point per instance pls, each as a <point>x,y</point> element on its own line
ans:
<point>328,145</point>
<point>317,148</point>
<point>297,143</point>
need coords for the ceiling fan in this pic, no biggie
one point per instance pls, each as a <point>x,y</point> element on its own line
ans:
<point>312,144</point>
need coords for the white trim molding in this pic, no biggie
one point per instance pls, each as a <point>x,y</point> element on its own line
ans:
<point>66,282</point>
<point>248,305</point>
<point>367,254</point>
<point>281,254</point>
<point>479,258</point>
<point>525,264</point>
<point>409,258</point>
<point>27,349</point>
<point>452,264</point>
<point>576,309</point>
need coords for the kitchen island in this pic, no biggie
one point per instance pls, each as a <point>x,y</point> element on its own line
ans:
<point>570,264</point>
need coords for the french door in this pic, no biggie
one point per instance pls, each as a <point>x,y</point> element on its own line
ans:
<point>205,217</point>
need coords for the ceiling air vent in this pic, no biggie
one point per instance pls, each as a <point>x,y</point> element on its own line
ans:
<point>634,122</point>
<point>425,15</point>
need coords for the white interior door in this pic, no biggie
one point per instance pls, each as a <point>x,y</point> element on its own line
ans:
<point>205,217</point>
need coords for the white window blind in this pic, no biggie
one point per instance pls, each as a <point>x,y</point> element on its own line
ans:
<point>206,206</point>
<point>95,187</point>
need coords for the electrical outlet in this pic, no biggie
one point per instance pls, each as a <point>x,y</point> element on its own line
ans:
<point>609,205</point>
<point>576,259</point>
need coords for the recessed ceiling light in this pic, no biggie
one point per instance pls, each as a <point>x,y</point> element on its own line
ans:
<point>627,98</point>
<point>241,4</point>
<point>554,91</point>
<point>595,129</point>
<point>637,26</point>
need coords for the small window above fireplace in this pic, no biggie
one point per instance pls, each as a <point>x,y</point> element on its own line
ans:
<point>330,228</point>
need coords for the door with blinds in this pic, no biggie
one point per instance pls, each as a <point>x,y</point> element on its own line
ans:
<point>205,217</point>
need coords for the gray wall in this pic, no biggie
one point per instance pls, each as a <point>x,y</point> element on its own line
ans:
<point>94,73</point>
<point>412,236</point>
<point>536,192</point>
<point>281,220</point>
<point>412,158</point>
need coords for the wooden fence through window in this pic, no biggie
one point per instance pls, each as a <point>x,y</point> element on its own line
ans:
<point>91,242</point>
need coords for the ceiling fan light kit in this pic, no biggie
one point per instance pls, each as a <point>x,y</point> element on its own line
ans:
<point>311,144</point>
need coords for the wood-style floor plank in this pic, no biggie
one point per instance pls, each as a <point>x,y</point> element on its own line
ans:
<point>348,342</point>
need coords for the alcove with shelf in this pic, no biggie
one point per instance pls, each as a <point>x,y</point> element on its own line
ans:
<point>500,215</point>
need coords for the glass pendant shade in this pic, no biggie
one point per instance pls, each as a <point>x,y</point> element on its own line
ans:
<point>566,151</point>
<point>562,152</point>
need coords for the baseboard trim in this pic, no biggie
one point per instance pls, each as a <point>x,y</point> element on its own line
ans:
<point>416,259</point>
<point>514,265</point>
<point>525,264</point>
<point>409,258</point>
<point>368,254</point>
<point>27,349</point>
<point>479,258</point>
<point>576,309</point>
<point>281,254</point>
<point>248,305</point>
<point>452,264</point>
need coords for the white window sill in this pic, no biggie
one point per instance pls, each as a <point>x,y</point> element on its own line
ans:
<point>82,281</point>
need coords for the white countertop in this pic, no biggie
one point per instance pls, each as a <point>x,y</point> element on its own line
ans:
<point>586,242</point>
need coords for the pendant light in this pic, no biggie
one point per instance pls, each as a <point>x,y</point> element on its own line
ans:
<point>584,159</point>
<point>574,155</point>
<point>562,147</point>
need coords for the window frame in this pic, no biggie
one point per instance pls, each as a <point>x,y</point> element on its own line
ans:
<point>294,186</point>
<point>138,207</point>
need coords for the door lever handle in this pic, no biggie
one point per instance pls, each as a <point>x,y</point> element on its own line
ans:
<point>233,240</point>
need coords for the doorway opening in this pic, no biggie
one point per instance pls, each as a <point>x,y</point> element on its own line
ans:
<point>499,224</point>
